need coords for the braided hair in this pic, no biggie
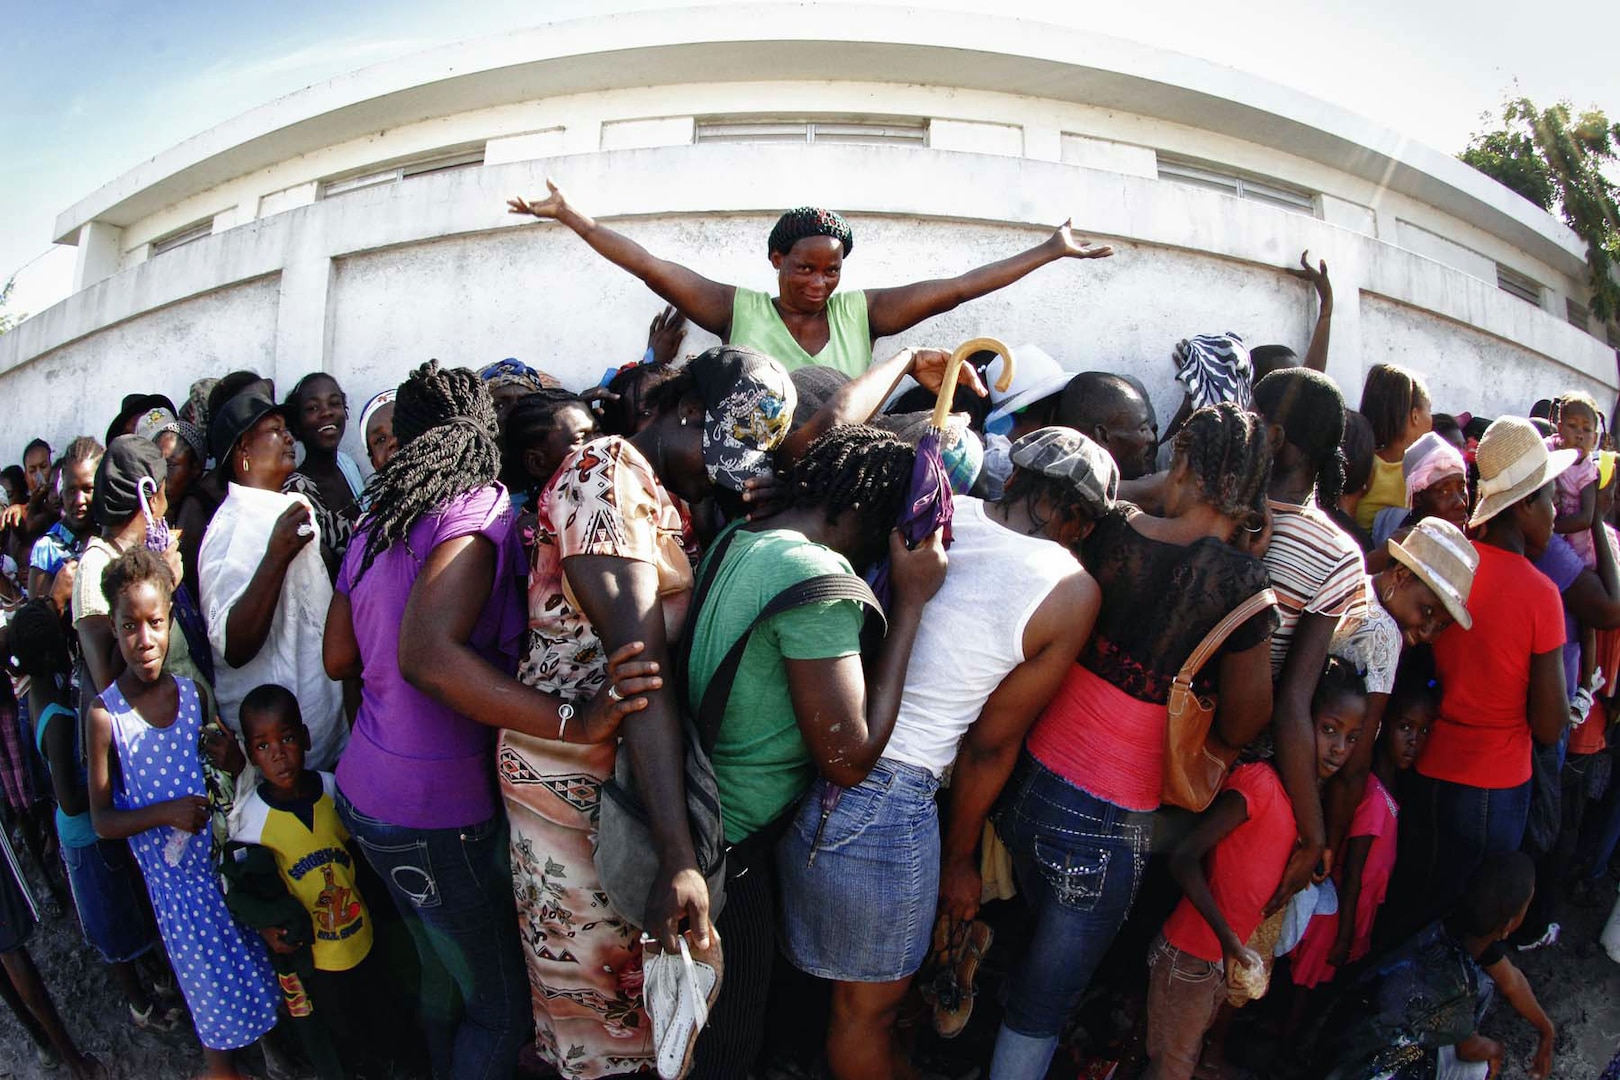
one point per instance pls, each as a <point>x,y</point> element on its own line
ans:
<point>804,221</point>
<point>84,448</point>
<point>1339,679</point>
<point>1309,408</point>
<point>855,467</point>
<point>445,422</point>
<point>1227,453</point>
<point>1388,397</point>
<point>531,419</point>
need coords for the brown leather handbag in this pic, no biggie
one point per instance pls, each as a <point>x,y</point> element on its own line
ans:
<point>1195,764</point>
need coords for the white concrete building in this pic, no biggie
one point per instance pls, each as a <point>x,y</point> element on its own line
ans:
<point>359,226</point>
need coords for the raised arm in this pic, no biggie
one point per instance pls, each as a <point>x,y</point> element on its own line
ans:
<point>1052,640</point>
<point>1316,356</point>
<point>891,311</point>
<point>705,302</point>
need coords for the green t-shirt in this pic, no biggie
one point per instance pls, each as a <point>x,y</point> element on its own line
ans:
<point>755,323</point>
<point>761,764</point>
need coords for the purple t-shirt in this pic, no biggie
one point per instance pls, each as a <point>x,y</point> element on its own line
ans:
<point>1562,565</point>
<point>414,761</point>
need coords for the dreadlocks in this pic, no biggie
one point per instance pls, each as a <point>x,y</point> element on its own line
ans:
<point>1227,452</point>
<point>445,423</point>
<point>1310,410</point>
<point>854,467</point>
<point>804,221</point>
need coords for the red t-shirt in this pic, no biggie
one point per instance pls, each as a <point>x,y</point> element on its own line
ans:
<point>1482,736</point>
<point>1245,868</point>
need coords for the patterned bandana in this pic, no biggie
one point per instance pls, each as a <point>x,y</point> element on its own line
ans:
<point>1215,368</point>
<point>748,403</point>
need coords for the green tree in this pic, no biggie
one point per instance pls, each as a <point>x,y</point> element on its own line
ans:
<point>1556,159</point>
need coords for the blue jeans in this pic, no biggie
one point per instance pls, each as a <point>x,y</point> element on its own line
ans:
<point>454,889</point>
<point>1446,831</point>
<point>111,899</point>
<point>1078,860</point>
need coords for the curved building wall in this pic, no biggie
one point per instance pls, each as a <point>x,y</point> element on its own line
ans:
<point>287,275</point>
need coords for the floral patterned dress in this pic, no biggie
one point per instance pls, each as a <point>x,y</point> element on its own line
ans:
<point>584,962</point>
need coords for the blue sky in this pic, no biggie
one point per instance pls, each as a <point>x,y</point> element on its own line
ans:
<point>94,87</point>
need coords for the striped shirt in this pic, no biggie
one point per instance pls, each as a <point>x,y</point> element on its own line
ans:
<point>1315,568</point>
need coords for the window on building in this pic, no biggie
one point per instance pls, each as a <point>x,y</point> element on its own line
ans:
<point>863,132</point>
<point>1577,314</point>
<point>422,166</point>
<point>1521,285</point>
<point>181,237</point>
<point>1253,188</point>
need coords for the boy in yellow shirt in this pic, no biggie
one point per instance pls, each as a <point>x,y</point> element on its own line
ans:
<point>322,962</point>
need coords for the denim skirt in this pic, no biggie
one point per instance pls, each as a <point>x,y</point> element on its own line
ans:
<point>111,899</point>
<point>858,904</point>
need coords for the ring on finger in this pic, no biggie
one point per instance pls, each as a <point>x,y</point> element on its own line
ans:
<point>613,693</point>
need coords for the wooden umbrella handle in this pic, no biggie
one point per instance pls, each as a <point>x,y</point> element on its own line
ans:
<point>947,386</point>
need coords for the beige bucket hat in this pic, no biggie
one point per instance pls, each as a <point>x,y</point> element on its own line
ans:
<point>1513,462</point>
<point>1440,556</point>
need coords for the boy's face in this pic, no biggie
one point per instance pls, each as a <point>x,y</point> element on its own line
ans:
<point>276,744</point>
<point>141,619</point>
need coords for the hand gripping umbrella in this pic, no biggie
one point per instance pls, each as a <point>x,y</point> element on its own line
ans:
<point>928,505</point>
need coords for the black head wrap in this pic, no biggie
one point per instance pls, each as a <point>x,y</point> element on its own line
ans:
<point>804,221</point>
<point>128,460</point>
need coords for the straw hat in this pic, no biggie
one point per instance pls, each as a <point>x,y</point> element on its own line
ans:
<point>1513,462</point>
<point>1440,556</point>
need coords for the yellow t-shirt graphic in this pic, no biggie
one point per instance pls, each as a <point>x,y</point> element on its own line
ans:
<point>315,863</point>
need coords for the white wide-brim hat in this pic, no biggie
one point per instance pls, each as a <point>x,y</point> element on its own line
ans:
<point>1513,462</point>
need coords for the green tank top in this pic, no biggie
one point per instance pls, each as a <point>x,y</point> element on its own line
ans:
<point>755,323</point>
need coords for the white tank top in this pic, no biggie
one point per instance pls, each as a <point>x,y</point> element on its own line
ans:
<point>972,632</point>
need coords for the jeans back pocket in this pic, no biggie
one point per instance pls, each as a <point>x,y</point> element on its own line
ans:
<point>1076,870</point>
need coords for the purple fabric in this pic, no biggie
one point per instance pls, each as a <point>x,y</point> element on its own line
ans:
<point>413,761</point>
<point>928,507</point>
<point>1562,565</point>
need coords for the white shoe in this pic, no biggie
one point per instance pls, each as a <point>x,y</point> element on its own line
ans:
<point>678,991</point>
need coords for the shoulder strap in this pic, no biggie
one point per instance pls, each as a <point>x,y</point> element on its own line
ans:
<point>814,590</point>
<point>1217,637</point>
<point>701,582</point>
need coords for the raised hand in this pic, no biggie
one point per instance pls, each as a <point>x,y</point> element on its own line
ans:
<point>1317,275</point>
<point>1070,248</point>
<point>551,206</point>
<point>665,335</point>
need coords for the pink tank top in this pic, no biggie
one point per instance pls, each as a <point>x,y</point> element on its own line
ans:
<point>1102,740</point>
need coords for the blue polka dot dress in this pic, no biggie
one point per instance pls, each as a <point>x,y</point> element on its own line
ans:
<point>223,968</point>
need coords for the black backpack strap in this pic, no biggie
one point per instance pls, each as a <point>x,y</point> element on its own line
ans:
<point>816,590</point>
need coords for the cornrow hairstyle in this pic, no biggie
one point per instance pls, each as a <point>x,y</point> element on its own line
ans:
<point>804,221</point>
<point>1357,448</point>
<point>1388,397</point>
<point>855,467</point>
<point>1309,408</point>
<point>137,566</point>
<point>39,642</point>
<point>634,382</point>
<point>444,419</point>
<point>530,419</point>
<point>1035,489</point>
<point>1230,459</point>
<point>1339,679</point>
<point>84,448</point>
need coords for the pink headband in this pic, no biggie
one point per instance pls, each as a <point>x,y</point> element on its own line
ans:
<point>1429,460</point>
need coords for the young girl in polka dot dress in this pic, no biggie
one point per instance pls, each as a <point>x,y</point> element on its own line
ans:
<point>146,784</point>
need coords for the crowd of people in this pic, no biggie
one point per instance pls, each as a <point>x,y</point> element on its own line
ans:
<point>593,732</point>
